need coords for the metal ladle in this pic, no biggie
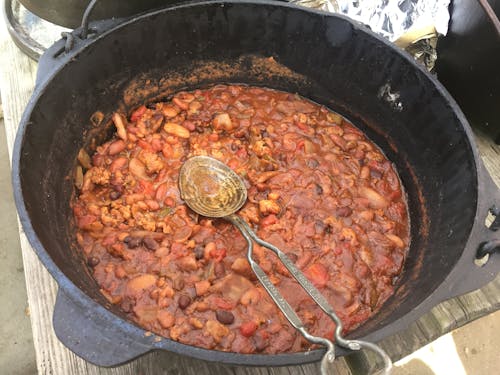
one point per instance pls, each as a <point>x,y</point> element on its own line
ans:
<point>212,189</point>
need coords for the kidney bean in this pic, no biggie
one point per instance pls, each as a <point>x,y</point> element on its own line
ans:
<point>343,211</point>
<point>127,305</point>
<point>375,174</point>
<point>178,283</point>
<point>219,269</point>
<point>191,292</point>
<point>132,242</point>
<point>260,342</point>
<point>225,317</point>
<point>114,195</point>
<point>184,301</point>
<point>116,147</point>
<point>312,163</point>
<point>118,164</point>
<point>199,252</point>
<point>150,243</point>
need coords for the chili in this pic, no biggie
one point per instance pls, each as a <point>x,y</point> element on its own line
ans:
<point>318,188</point>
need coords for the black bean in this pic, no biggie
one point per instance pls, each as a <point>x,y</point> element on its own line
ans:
<point>293,257</point>
<point>219,269</point>
<point>199,252</point>
<point>114,195</point>
<point>225,317</point>
<point>184,301</point>
<point>178,283</point>
<point>234,147</point>
<point>312,163</point>
<point>150,243</point>
<point>318,189</point>
<point>132,242</point>
<point>93,261</point>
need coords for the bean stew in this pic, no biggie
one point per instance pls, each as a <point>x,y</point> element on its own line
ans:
<point>318,189</point>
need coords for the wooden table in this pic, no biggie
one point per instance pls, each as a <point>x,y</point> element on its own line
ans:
<point>17,79</point>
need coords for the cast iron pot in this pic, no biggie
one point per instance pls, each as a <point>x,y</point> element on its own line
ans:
<point>69,13</point>
<point>326,58</point>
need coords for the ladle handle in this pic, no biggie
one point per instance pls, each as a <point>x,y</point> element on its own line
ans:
<point>283,305</point>
<point>314,293</point>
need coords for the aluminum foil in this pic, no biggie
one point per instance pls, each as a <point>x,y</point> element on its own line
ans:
<point>390,18</point>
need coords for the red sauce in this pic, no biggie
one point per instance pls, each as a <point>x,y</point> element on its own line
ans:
<point>317,188</point>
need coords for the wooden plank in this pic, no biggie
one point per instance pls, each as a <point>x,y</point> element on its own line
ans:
<point>17,80</point>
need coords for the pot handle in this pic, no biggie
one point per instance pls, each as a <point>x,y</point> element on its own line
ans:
<point>86,331</point>
<point>72,42</point>
<point>481,263</point>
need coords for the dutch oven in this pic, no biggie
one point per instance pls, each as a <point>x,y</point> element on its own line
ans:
<point>326,58</point>
<point>69,13</point>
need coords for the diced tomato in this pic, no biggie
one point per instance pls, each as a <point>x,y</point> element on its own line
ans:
<point>268,220</point>
<point>169,201</point>
<point>86,220</point>
<point>302,126</point>
<point>233,163</point>
<point>247,329</point>
<point>146,187</point>
<point>78,210</point>
<point>242,153</point>
<point>214,137</point>
<point>223,303</point>
<point>217,254</point>
<point>395,195</point>
<point>109,239</point>
<point>156,144</point>
<point>318,274</point>
<point>137,114</point>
